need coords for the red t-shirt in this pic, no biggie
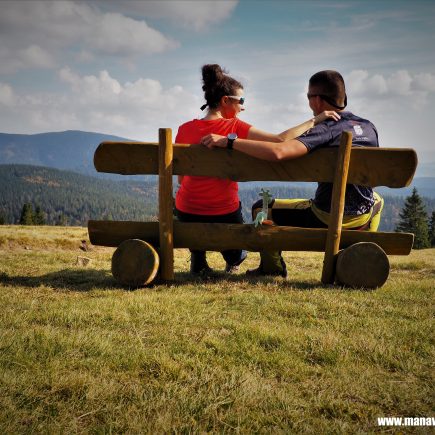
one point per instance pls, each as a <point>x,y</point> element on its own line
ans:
<point>208,195</point>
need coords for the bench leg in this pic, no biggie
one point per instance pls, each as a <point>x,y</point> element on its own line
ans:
<point>337,207</point>
<point>135,263</point>
<point>166,219</point>
<point>362,265</point>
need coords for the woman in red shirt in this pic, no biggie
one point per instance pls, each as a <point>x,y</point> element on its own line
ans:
<point>209,199</point>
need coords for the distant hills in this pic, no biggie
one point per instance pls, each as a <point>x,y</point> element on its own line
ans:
<point>56,171</point>
<point>71,150</point>
<point>74,150</point>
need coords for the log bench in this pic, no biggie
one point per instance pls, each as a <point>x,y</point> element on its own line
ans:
<point>352,258</point>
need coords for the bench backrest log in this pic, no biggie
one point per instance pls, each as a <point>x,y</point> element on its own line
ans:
<point>363,165</point>
<point>392,167</point>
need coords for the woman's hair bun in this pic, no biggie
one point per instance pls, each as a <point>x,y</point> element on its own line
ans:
<point>212,73</point>
<point>216,84</point>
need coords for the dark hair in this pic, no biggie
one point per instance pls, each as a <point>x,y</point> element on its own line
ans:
<point>330,84</point>
<point>216,84</point>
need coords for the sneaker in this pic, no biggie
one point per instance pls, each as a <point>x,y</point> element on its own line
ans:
<point>234,268</point>
<point>231,269</point>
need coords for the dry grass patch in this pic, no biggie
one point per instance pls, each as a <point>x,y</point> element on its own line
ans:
<point>80,354</point>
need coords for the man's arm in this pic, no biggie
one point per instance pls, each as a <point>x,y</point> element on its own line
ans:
<point>293,132</point>
<point>271,151</point>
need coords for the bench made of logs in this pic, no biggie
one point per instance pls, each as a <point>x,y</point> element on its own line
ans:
<point>353,258</point>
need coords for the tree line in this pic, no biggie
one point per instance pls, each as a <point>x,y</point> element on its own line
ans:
<point>32,195</point>
<point>413,219</point>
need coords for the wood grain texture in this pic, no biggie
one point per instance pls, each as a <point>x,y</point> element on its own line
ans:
<point>166,227</point>
<point>391,167</point>
<point>337,207</point>
<point>135,263</point>
<point>217,237</point>
<point>362,265</point>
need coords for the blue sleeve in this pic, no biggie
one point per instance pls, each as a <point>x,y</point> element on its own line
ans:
<point>320,135</point>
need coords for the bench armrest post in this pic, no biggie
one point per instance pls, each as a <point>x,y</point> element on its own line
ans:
<point>166,220</point>
<point>337,208</point>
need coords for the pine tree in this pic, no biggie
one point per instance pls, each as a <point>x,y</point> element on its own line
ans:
<point>26,217</point>
<point>2,219</point>
<point>39,216</point>
<point>61,220</point>
<point>413,219</point>
<point>432,230</point>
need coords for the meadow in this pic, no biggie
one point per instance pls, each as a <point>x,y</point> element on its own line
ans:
<point>80,354</point>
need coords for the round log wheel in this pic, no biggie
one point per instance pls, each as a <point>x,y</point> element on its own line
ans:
<point>363,264</point>
<point>135,263</point>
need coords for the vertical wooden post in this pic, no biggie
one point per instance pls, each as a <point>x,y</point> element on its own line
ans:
<point>337,208</point>
<point>166,221</point>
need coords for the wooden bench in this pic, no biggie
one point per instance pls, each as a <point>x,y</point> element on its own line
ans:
<point>362,261</point>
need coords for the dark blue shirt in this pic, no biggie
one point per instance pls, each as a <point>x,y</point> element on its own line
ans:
<point>359,199</point>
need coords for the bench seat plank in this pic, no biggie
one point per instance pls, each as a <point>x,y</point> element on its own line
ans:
<point>218,237</point>
<point>391,167</point>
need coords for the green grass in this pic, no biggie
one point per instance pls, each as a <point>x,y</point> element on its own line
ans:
<point>79,354</point>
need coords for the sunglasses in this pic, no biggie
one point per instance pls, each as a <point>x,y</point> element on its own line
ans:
<point>329,100</point>
<point>235,97</point>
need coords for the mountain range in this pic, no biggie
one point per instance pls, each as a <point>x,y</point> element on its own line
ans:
<point>71,150</point>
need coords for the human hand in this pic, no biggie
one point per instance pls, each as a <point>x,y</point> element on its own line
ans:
<point>325,115</point>
<point>214,140</point>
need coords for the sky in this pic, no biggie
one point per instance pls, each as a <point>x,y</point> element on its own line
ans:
<point>130,67</point>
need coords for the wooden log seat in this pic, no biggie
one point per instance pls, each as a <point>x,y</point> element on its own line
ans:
<point>367,166</point>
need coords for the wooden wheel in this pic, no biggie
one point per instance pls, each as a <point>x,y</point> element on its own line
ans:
<point>135,263</point>
<point>363,264</point>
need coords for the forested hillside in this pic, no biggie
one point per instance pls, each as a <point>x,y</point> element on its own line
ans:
<point>75,197</point>
<point>68,198</point>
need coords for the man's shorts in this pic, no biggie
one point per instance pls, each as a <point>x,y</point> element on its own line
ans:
<point>303,213</point>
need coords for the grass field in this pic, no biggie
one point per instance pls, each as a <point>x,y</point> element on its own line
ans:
<point>79,354</point>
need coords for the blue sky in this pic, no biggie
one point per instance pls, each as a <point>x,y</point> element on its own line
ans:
<point>130,67</point>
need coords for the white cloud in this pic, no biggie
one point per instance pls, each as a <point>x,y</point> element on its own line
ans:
<point>424,82</point>
<point>7,96</point>
<point>99,103</point>
<point>32,56</point>
<point>360,84</point>
<point>116,34</point>
<point>35,56</point>
<point>191,14</point>
<point>399,83</point>
<point>33,33</point>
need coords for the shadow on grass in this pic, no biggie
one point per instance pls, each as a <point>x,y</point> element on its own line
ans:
<point>185,278</point>
<point>65,280</point>
<point>91,279</point>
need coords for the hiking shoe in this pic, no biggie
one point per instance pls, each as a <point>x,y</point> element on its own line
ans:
<point>198,263</point>
<point>260,272</point>
<point>204,271</point>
